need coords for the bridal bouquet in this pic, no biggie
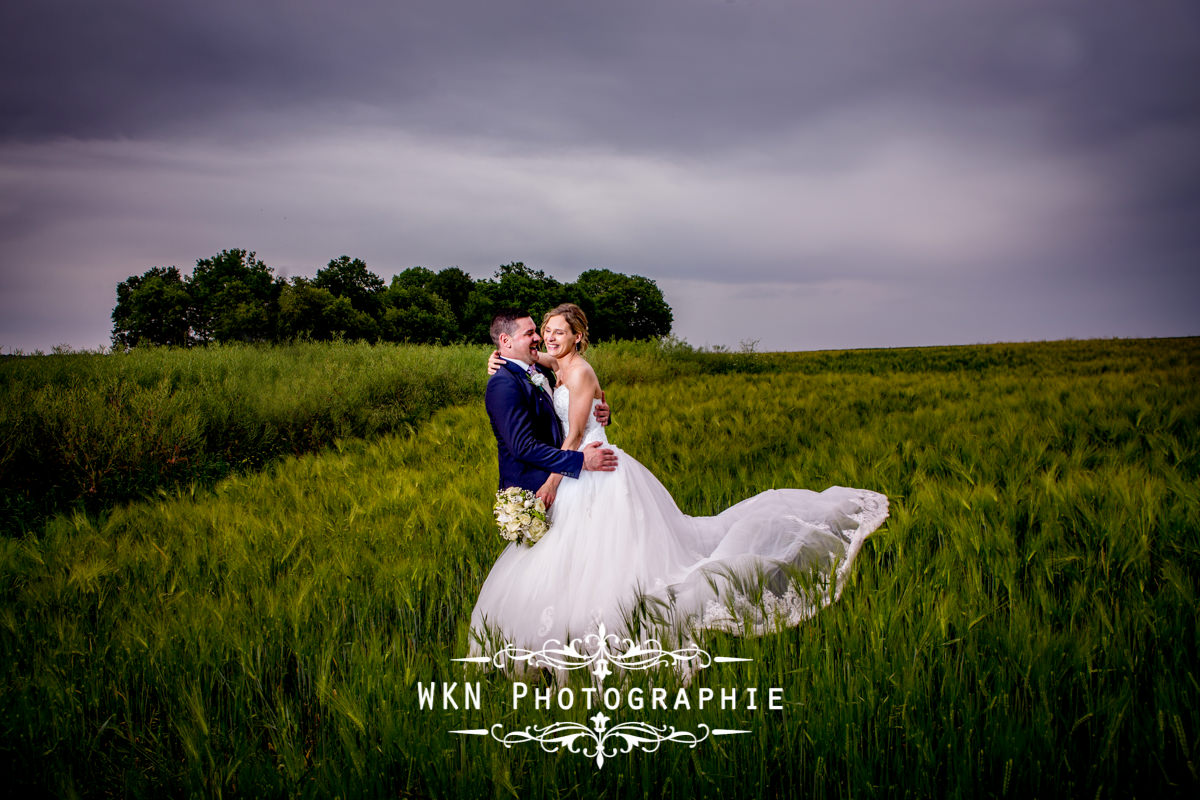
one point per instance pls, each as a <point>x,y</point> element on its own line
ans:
<point>520,515</point>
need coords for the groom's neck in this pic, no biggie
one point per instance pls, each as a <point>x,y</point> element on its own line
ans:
<point>516,359</point>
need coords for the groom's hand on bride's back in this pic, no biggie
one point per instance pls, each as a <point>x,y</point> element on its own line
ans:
<point>599,458</point>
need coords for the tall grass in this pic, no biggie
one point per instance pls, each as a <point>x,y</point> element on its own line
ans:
<point>86,430</point>
<point>1025,623</point>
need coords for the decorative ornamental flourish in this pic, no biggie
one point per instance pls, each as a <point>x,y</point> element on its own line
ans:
<point>596,651</point>
<point>599,742</point>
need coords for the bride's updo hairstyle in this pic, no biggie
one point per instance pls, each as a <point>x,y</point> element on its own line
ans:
<point>576,320</point>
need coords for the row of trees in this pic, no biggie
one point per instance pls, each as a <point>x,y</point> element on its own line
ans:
<point>234,296</point>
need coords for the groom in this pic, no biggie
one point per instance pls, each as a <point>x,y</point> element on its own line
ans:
<point>519,405</point>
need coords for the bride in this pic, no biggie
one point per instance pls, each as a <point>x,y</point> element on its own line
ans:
<point>620,553</point>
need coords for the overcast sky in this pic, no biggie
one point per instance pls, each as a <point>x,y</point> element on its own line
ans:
<point>826,174</point>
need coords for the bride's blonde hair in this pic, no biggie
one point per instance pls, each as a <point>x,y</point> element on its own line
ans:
<point>576,320</point>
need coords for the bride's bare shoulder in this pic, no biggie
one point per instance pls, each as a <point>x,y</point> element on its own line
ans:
<point>579,377</point>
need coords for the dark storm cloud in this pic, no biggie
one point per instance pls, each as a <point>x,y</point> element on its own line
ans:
<point>1027,156</point>
<point>644,74</point>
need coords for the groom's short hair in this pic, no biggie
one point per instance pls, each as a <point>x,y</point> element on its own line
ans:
<point>506,322</point>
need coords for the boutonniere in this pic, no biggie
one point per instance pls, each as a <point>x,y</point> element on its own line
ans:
<point>537,379</point>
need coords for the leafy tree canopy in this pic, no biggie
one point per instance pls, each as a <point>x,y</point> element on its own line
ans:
<point>622,306</point>
<point>349,277</point>
<point>415,314</point>
<point>234,296</point>
<point>311,312</point>
<point>152,308</point>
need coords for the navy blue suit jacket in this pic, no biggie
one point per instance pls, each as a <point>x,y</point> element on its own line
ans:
<point>528,435</point>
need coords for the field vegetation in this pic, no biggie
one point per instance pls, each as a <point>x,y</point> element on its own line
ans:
<point>86,430</point>
<point>1024,624</point>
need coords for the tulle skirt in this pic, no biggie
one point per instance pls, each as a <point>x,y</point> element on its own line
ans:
<point>620,553</point>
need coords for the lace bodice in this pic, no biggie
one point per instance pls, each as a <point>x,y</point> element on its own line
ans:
<point>594,432</point>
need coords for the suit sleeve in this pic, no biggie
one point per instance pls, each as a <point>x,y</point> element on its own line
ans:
<point>505,404</point>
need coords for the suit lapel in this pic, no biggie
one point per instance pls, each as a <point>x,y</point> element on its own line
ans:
<point>544,392</point>
<point>556,433</point>
<point>523,376</point>
<point>546,412</point>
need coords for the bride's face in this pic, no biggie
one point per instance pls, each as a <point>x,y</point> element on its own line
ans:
<point>560,339</point>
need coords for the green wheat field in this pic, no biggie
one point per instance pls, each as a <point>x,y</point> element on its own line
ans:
<point>226,572</point>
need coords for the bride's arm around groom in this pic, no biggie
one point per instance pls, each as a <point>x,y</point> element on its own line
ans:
<point>527,430</point>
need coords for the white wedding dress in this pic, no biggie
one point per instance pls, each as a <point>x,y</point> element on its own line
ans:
<point>617,538</point>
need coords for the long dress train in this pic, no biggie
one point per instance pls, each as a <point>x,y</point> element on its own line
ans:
<point>620,552</point>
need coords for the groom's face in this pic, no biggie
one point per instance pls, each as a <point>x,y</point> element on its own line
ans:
<point>524,341</point>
